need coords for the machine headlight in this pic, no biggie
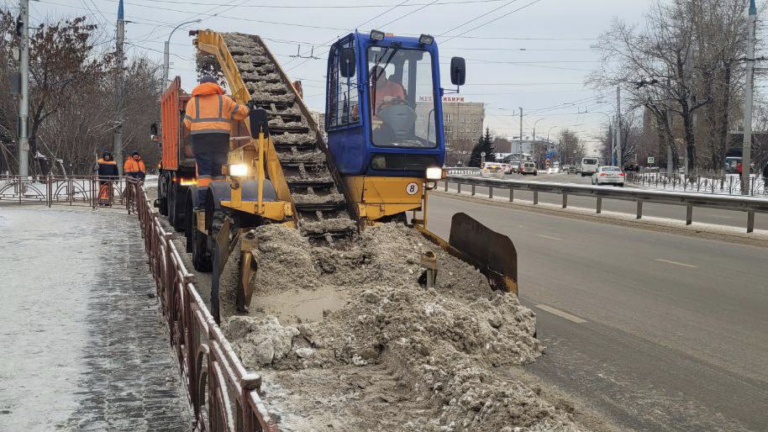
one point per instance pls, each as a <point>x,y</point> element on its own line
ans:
<point>238,170</point>
<point>426,39</point>
<point>434,173</point>
<point>377,35</point>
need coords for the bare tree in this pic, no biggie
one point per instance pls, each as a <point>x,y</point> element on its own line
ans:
<point>570,147</point>
<point>680,62</point>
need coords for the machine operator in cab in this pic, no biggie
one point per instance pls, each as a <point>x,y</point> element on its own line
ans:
<point>208,116</point>
<point>384,91</point>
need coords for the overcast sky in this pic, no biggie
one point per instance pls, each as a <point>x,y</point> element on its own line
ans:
<point>533,54</point>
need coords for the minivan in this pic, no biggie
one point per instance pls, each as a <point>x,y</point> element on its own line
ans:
<point>589,166</point>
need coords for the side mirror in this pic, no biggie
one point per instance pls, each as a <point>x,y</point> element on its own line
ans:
<point>153,129</point>
<point>347,62</point>
<point>458,71</point>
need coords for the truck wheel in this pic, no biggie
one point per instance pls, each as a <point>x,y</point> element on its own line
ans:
<point>179,215</point>
<point>162,198</point>
<point>172,204</point>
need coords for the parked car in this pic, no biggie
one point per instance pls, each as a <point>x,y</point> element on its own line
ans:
<point>589,166</point>
<point>492,169</point>
<point>571,169</point>
<point>610,175</point>
<point>529,168</point>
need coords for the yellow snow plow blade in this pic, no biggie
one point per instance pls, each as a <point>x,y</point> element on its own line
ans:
<point>492,253</point>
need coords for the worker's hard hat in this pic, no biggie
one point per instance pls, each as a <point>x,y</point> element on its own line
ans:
<point>208,79</point>
<point>135,153</point>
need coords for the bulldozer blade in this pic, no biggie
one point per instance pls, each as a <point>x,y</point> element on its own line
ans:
<point>492,253</point>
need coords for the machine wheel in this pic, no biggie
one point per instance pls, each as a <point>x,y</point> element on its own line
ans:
<point>201,257</point>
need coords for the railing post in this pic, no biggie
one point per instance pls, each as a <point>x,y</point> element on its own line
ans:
<point>689,215</point>
<point>599,205</point>
<point>639,209</point>
<point>511,194</point>
<point>458,188</point>
<point>490,192</point>
<point>750,221</point>
<point>535,197</point>
<point>565,200</point>
<point>446,185</point>
<point>473,190</point>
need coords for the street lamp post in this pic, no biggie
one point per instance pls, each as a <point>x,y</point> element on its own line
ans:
<point>167,54</point>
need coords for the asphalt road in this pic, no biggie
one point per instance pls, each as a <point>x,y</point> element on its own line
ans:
<point>658,332</point>
<point>710,216</point>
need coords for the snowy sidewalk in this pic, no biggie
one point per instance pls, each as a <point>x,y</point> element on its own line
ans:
<point>84,345</point>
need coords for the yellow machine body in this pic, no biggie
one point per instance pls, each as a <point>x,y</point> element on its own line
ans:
<point>378,197</point>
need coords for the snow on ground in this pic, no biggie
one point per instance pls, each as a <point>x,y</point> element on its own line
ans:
<point>84,345</point>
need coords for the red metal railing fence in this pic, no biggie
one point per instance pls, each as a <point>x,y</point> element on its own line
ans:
<point>224,395</point>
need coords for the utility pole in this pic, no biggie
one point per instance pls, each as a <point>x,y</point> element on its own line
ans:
<point>24,105</point>
<point>746,155</point>
<point>521,133</point>
<point>118,136</point>
<point>618,126</point>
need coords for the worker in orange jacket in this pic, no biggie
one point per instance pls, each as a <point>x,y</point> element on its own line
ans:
<point>208,116</point>
<point>134,167</point>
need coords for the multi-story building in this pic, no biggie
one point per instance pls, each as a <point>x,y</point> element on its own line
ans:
<point>462,121</point>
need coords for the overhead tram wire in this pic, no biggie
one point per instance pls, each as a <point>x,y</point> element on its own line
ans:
<point>477,18</point>
<point>314,6</point>
<point>493,20</point>
<point>357,26</point>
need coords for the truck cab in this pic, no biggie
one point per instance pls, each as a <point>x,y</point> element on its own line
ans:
<point>384,118</point>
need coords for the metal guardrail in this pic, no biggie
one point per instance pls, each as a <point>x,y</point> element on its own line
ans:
<point>750,205</point>
<point>222,392</point>
<point>48,190</point>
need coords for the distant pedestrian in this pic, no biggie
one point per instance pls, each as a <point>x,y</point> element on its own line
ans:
<point>107,171</point>
<point>738,168</point>
<point>134,167</point>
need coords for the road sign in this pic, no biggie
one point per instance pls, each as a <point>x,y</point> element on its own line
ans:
<point>651,160</point>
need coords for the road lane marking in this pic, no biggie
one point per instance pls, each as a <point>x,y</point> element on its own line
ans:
<point>548,237</point>
<point>561,314</point>
<point>676,263</point>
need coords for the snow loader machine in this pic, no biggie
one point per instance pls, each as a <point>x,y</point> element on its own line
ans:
<point>384,152</point>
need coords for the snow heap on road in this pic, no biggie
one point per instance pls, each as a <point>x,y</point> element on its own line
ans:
<point>391,355</point>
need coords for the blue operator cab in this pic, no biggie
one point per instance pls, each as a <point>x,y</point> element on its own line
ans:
<point>384,119</point>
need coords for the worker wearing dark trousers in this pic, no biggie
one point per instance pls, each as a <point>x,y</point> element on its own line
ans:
<point>134,167</point>
<point>208,116</point>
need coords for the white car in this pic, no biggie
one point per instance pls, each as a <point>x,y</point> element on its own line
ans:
<point>528,168</point>
<point>493,169</point>
<point>589,166</point>
<point>610,175</point>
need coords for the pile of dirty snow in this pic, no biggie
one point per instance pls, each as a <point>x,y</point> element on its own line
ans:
<point>386,353</point>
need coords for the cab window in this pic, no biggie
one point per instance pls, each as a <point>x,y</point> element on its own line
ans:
<point>342,104</point>
<point>402,97</point>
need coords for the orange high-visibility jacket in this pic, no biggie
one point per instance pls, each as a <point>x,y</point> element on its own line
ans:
<point>210,111</point>
<point>132,166</point>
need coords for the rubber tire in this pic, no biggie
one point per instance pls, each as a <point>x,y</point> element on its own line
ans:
<point>201,259</point>
<point>179,214</point>
<point>172,207</point>
<point>162,200</point>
